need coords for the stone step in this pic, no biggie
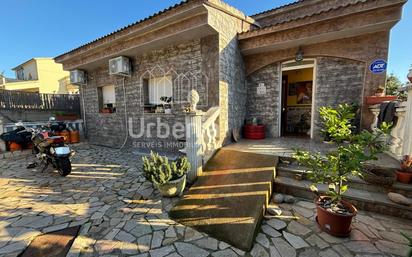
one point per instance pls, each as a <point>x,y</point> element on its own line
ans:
<point>291,171</point>
<point>364,200</point>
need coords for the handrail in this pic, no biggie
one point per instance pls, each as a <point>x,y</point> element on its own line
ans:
<point>202,138</point>
<point>211,116</point>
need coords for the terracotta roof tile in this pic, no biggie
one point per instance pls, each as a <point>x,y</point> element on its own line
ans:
<point>277,8</point>
<point>269,26</point>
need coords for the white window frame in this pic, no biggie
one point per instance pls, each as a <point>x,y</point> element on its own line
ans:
<point>109,95</point>
<point>158,87</point>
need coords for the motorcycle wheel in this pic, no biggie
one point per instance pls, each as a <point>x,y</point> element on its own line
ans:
<point>64,166</point>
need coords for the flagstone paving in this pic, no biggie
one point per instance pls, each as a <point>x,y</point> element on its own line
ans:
<point>121,214</point>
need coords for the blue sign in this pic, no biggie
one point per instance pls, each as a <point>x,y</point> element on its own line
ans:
<point>378,66</point>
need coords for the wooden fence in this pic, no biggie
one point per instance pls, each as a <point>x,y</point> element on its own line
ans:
<point>19,100</point>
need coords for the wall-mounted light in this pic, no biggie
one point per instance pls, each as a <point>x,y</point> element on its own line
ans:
<point>299,55</point>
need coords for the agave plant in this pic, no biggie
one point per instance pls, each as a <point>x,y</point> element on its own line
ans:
<point>159,170</point>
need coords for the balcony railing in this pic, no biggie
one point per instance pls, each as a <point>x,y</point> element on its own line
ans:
<point>401,134</point>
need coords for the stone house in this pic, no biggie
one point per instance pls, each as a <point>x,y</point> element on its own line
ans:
<point>278,67</point>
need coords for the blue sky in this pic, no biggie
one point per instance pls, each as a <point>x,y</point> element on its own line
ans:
<point>47,28</point>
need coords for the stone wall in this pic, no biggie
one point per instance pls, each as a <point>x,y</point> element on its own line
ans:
<point>265,107</point>
<point>232,81</point>
<point>180,61</point>
<point>337,81</point>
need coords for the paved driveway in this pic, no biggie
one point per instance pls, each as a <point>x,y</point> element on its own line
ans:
<point>122,215</point>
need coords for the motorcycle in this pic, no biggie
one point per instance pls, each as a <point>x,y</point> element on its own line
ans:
<point>48,148</point>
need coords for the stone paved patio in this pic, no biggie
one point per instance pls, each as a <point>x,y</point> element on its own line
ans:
<point>122,215</point>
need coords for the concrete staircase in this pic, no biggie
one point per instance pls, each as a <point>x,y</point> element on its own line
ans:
<point>292,179</point>
<point>230,198</point>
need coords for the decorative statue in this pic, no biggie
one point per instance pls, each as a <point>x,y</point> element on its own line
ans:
<point>193,99</point>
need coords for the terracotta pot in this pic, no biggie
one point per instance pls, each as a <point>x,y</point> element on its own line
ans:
<point>333,223</point>
<point>404,177</point>
<point>74,137</point>
<point>28,146</point>
<point>66,135</point>
<point>106,110</point>
<point>372,100</point>
<point>172,188</point>
<point>67,117</point>
<point>13,146</point>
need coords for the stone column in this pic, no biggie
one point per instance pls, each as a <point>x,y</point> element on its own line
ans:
<point>2,143</point>
<point>375,109</point>
<point>398,131</point>
<point>194,141</point>
<point>407,135</point>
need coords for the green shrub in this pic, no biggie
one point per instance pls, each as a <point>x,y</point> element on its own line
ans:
<point>337,122</point>
<point>159,170</point>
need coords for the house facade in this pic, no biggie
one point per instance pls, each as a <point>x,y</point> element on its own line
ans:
<point>277,68</point>
<point>41,75</point>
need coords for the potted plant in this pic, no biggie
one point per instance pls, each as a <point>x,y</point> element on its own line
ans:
<point>337,122</point>
<point>404,175</point>
<point>380,91</point>
<point>334,215</point>
<point>166,104</point>
<point>379,97</point>
<point>106,110</point>
<point>169,177</point>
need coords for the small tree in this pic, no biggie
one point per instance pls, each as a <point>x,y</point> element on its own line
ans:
<point>393,84</point>
<point>334,168</point>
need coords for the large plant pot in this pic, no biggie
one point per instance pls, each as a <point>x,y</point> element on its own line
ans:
<point>372,100</point>
<point>172,188</point>
<point>333,223</point>
<point>404,177</point>
<point>254,132</point>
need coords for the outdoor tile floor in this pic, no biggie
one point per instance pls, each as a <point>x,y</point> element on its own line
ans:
<point>122,215</point>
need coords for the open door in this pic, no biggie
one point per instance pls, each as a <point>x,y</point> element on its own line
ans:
<point>297,99</point>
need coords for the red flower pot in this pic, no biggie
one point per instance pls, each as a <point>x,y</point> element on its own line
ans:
<point>254,132</point>
<point>334,223</point>
<point>404,177</point>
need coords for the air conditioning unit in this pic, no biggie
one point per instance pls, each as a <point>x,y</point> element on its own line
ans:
<point>119,66</point>
<point>78,77</point>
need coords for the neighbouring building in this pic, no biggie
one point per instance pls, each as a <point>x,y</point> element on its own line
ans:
<point>278,66</point>
<point>41,75</point>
